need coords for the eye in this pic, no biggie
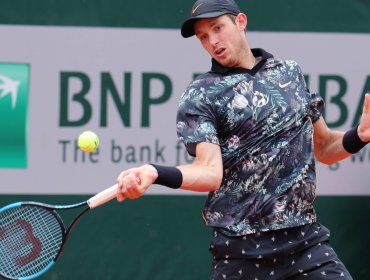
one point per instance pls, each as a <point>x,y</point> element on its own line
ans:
<point>218,28</point>
<point>202,37</point>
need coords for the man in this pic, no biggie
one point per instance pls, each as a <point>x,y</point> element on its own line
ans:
<point>254,130</point>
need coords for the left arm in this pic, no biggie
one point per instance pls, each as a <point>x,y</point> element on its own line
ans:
<point>328,144</point>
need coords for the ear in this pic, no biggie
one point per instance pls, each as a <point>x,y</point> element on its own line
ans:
<point>241,21</point>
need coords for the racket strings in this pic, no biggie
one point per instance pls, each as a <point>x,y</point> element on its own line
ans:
<point>31,237</point>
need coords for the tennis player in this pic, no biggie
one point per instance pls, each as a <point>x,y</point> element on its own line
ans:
<point>254,129</point>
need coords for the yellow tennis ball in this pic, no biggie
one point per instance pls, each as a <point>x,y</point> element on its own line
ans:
<point>88,141</point>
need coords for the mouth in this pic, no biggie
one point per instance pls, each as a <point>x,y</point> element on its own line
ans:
<point>219,51</point>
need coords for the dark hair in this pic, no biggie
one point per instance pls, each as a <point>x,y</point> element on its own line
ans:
<point>232,17</point>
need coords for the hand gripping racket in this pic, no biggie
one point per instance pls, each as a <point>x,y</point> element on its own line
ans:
<point>33,234</point>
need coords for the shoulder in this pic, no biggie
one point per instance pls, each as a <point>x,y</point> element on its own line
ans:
<point>205,79</point>
<point>204,85</point>
<point>278,67</point>
<point>276,63</point>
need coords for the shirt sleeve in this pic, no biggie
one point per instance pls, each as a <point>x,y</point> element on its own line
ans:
<point>316,107</point>
<point>316,103</point>
<point>196,121</point>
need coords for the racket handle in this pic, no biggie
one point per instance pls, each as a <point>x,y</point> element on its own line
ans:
<point>103,197</point>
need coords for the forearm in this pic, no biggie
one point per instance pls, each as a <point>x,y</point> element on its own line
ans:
<point>200,178</point>
<point>330,149</point>
<point>333,146</point>
<point>204,174</point>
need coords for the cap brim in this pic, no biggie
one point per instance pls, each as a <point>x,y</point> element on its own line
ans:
<point>187,28</point>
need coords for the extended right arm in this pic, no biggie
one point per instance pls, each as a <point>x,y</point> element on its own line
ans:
<point>203,175</point>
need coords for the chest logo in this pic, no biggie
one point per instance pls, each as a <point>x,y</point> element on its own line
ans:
<point>284,85</point>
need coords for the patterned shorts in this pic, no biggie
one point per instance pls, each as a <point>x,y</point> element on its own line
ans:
<point>295,253</point>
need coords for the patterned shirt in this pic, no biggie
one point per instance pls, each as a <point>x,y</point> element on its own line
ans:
<point>262,121</point>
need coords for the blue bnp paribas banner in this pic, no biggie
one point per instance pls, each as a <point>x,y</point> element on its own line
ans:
<point>119,68</point>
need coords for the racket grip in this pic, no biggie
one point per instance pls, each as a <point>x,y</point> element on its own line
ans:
<point>103,197</point>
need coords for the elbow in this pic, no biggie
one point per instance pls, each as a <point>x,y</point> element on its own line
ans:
<point>326,161</point>
<point>216,183</point>
<point>320,158</point>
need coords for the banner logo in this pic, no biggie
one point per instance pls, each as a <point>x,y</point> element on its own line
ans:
<point>14,87</point>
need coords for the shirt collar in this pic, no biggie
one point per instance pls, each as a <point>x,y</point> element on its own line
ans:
<point>257,52</point>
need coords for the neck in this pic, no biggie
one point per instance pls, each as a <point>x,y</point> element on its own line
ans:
<point>249,60</point>
<point>254,61</point>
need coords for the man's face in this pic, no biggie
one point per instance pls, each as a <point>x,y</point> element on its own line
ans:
<point>223,38</point>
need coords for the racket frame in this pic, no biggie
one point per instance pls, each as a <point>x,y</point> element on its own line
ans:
<point>65,231</point>
<point>95,201</point>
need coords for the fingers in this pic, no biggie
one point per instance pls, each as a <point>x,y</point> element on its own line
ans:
<point>364,125</point>
<point>128,185</point>
<point>367,104</point>
<point>132,187</point>
<point>120,186</point>
<point>120,197</point>
<point>134,182</point>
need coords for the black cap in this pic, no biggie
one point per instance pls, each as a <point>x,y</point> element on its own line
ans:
<point>208,9</point>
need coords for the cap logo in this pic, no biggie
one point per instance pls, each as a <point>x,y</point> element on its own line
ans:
<point>196,8</point>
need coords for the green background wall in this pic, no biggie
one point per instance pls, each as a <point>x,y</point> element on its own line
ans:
<point>163,237</point>
<point>264,15</point>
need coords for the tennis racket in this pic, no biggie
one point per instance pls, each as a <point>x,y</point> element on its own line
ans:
<point>33,234</point>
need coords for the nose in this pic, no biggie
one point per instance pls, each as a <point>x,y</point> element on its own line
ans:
<point>213,39</point>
